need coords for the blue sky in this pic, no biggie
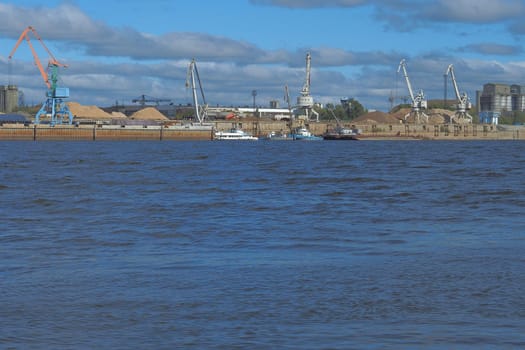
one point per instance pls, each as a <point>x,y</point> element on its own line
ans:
<point>121,49</point>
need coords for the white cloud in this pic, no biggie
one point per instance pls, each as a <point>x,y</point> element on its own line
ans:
<point>123,63</point>
<point>469,11</point>
<point>492,49</point>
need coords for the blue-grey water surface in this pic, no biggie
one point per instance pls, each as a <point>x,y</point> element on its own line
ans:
<point>262,245</point>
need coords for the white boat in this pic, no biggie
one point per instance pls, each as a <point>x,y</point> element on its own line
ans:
<point>234,134</point>
<point>278,136</point>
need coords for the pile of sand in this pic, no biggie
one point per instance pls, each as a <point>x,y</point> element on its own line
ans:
<point>376,118</point>
<point>118,115</point>
<point>440,116</point>
<point>148,113</point>
<point>400,114</point>
<point>435,115</point>
<point>87,112</point>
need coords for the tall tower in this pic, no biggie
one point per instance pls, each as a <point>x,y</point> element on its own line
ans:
<point>8,98</point>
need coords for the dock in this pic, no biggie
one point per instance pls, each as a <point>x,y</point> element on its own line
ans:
<point>261,128</point>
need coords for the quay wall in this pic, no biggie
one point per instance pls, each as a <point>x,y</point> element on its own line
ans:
<point>259,128</point>
<point>389,131</point>
<point>96,133</point>
<point>441,132</point>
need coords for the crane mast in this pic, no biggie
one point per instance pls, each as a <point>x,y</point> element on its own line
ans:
<point>463,102</point>
<point>54,106</point>
<point>201,112</point>
<point>305,101</point>
<point>418,101</point>
<point>306,86</point>
<point>287,99</point>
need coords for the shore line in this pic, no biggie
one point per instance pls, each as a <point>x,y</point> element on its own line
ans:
<point>375,132</point>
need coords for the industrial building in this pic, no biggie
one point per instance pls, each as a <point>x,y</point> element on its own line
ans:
<point>8,98</point>
<point>498,99</point>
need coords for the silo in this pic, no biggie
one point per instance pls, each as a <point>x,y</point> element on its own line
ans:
<point>2,98</point>
<point>11,98</point>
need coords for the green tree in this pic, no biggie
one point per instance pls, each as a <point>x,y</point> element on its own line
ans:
<point>510,118</point>
<point>352,108</point>
<point>348,109</point>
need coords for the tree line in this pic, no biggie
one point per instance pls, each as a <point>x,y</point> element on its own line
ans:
<point>349,109</point>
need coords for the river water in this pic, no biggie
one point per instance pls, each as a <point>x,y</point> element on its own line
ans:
<point>262,245</point>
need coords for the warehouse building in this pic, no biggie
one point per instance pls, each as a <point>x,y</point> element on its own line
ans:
<point>497,99</point>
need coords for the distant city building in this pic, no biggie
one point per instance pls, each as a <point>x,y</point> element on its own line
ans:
<point>8,98</point>
<point>498,99</point>
<point>274,104</point>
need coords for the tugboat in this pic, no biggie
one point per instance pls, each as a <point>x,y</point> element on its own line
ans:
<point>303,134</point>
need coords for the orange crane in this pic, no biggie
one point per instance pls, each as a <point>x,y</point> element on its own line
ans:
<point>54,106</point>
<point>53,62</point>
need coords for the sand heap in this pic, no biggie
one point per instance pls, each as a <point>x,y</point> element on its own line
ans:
<point>118,115</point>
<point>148,113</point>
<point>440,116</point>
<point>435,115</point>
<point>87,112</point>
<point>376,118</point>
<point>400,114</point>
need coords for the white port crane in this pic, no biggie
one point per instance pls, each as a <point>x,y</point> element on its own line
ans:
<point>201,111</point>
<point>418,101</point>
<point>305,101</point>
<point>463,100</point>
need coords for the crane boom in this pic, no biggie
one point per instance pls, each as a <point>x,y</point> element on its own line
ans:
<point>201,112</point>
<point>450,70</point>
<point>142,99</point>
<point>402,66</point>
<point>52,60</point>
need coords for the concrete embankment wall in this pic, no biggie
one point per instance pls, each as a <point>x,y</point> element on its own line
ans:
<point>96,133</point>
<point>259,128</point>
<point>441,132</point>
<point>390,131</point>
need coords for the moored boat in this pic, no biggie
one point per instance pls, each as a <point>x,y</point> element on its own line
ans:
<point>303,134</point>
<point>278,136</point>
<point>342,134</point>
<point>234,134</point>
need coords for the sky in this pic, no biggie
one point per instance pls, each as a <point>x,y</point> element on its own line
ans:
<point>122,49</point>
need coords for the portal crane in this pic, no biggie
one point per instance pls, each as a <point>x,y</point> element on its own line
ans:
<point>418,101</point>
<point>305,101</point>
<point>464,103</point>
<point>201,111</point>
<point>54,106</point>
<point>143,99</point>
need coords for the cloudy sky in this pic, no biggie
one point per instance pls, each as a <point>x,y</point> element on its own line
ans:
<point>120,49</point>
